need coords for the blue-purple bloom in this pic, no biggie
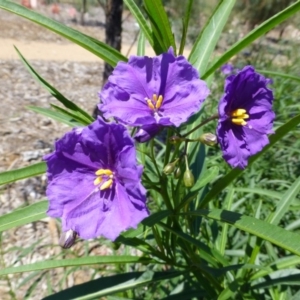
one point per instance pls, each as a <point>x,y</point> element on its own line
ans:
<point>227,69</point>
<point>245,116</point>
<point>164,90</point>
<point>95,182</point>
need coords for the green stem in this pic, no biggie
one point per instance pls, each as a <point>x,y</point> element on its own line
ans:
<point>213,117</point>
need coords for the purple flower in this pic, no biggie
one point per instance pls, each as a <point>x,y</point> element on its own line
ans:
<point>245,116</point>
<point>94,181</point>
<point>227,69</point>
<point>164,90</point>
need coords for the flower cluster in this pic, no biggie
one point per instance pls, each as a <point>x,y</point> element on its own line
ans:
<point>94,180</point>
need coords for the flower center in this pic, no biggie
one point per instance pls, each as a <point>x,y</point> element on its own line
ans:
<point>238,117</point>
<point>154,103</point>
<point>104,176</point>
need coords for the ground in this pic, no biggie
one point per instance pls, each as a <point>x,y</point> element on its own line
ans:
<point>26,136</point>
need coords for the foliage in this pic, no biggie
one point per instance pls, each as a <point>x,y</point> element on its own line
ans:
<point>234,234</point>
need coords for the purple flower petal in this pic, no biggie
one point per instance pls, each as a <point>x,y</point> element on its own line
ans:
<point>147,132</point>
<point>244,134</point>
<point>133,85</point>
<point>227,69</point>
<point>77,197</point>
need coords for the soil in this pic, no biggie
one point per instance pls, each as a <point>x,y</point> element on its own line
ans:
<point>26,136</point>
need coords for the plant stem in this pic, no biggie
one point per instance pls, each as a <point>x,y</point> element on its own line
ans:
<point>213,117</point>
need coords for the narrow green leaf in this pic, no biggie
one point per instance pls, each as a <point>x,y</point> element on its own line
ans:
<point>22,216</point>
<point>80,113</point>
<point>149,222</point>
<point>208,38</point>
<point>282,75</point>
<point>284,204</point>
<point>141,44</point>
<point>161,26</point>
<point>263,192</point>
<point>224,234</point>
<point>134,9</point>
<point>189,294</point>
<point>212,256</point>
<point>79,261</point>
<point>224,181</point>
<point>206,178</point>
<point>280,264</point>
<point>58,116</point>
<point>210,175</point>
<point>185,25</point>
<point>253,35</point>
<point>276,235</point>
<point>112,284</point>
<point>107,53</point>
<point>70,114</point>
<point>291,280</point>
<point>30,171</point>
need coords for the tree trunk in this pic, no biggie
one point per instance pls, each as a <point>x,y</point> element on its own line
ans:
<point>113,32</point>
<point>82,13</point>
<point>113,29</point>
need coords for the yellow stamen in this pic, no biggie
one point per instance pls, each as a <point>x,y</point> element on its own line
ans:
<point>239,122</point>
<point>159,101</point>
<point>97,180</point>
<point>155,102</point>
<point>239,115</point>
<point>238,112</point>
<point>106,184</point>
<point>150,104</point>
<point>154,98</point>
<point>104,172</point>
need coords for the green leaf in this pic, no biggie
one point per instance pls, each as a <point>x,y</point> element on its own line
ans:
<point>70,114</point>
<point>280,264</point>
<point>58,116</point>
<point>134,9</point>
<point>141,44</point>
<point>112,284</point>
<point>276,235</point>
<point>79,261</point>
<point>224,181</point>
<point>22,216</point>
<point>188,294</point>
<point>206,178</point>
<point>185,25</point>
<point>107,53</point>
<point>253,35</point>
<point>80,114</point>
<point>222,241</point>
<point>291,280</point>
<point>149,222</point>
<point>210,175</point>
<point>30,171</point>
<point>210,255</point>
<point>282,75</point>
<point>284,204</point>
<point>262,192</point>
<point>161,28</point>
<point>208,38</point>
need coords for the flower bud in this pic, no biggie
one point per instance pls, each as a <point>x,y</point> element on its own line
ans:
<point>208,139</point>
<point>177,173</point>
<point>67,239</point>
<point>188,178</point>
<point>175,139</point>
<point>169,168</point>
